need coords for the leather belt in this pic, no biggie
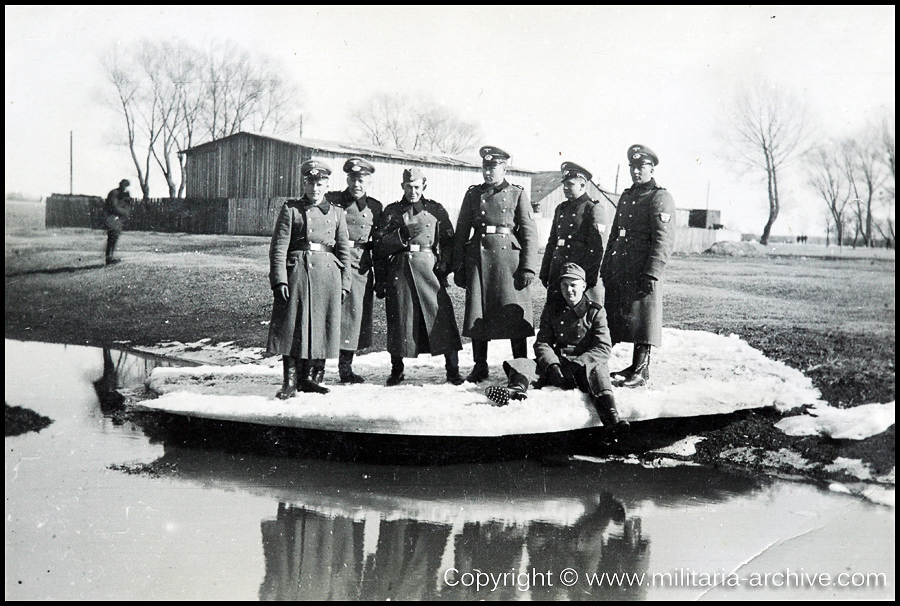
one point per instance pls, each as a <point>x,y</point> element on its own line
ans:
<point>496,229</point>
<point>570,350</point>
<point>355,244</point>
<point>313,247</point>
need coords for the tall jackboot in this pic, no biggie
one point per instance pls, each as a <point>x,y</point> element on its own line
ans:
<point>515,389</point>
<point>345,367</point>
<point>289,386</point>
<point>451,365</point>
<point>609,415</point>
<point>308,372</point>
<point>480,371</point>
<point>519,348</point>
<point>396,371</point>
<point>641,373</point>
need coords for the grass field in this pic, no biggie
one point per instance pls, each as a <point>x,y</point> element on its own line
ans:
<point>831,317</point>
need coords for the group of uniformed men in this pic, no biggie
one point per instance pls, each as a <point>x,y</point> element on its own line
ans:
<point>332,252</point>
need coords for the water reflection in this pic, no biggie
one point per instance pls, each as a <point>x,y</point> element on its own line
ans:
<point>351,531</point>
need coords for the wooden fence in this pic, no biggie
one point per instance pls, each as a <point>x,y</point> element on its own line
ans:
<point>195,216</point>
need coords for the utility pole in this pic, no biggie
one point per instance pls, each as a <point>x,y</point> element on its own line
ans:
<point>616,187</point>
<point>71,170</point>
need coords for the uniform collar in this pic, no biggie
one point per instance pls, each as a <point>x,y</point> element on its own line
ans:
<point>417,207</point>
<point>348,199</point>
<point>493,189</point>
<point>579,200</point>
<point>581,307</point>
<point>643,187</point>
<point>324,205</point>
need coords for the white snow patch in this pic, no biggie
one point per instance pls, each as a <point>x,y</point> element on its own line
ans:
<point>853,467</point>
<point>685,447</point>
<point>856,423</point>
<point>694,373</point>
<point>879,495</point>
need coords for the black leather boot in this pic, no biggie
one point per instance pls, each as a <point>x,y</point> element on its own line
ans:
<point>641,372</point>
<point>289,386</point>
<point>307,372</point>
<point>345,367</point>
<point>479,353</point>
<point>451,364</point>
<point>396,372</point>
<point>609,415</point>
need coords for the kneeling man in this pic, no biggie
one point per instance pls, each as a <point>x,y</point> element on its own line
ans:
<point>572,350</point>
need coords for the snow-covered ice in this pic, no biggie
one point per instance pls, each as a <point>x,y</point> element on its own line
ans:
<point>856,423</point>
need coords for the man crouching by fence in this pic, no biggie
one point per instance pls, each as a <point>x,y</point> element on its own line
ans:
<point>572,350</point>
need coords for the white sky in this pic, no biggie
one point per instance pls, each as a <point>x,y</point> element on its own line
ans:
<point>547,83</point>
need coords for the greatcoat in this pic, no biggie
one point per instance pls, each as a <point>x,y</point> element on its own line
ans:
<point>420,316</point>
<point>496,237</point>
<point>576,236</point>
<point>640,242</point>
<point>310,253</point>
<point>356,311</point>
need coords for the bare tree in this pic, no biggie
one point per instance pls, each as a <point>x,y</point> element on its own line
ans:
<point>866,174</point>
<point>766,130</point>
<point>828,178</point>
<point>170,95</point>
<point>412,123</point>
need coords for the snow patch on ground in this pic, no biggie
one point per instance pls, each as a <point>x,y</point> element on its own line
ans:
<point>856,423</point>
<point>879,495</point>
<point>683,448</point>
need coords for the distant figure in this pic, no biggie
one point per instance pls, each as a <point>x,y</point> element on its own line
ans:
<point>116,209</point>
<point>414,241</point>
<point>496,261</point>
<point>572,350</point>
<point>309,272</point>
<point>363,213</point>
<point>640,242</point>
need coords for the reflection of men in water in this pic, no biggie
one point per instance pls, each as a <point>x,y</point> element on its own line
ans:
<point>310,556</point>
<point>407,561</point>
<point>490,546</point>
<point>106,386</point>
<point>583,548</point>
<point>115,211</point>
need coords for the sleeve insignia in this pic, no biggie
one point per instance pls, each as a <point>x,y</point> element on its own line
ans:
<point>665,217</point>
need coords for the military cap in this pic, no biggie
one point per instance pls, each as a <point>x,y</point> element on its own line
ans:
<point>412,174</point>
<point>572,270</point>
<point>491,155</point>
<point>570,169</point>
<point>641,154</point>
<point>358,166</point>
<point>124,183</point>
<point>315,169</point>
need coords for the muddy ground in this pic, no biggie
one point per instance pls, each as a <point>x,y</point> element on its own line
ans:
<point>827,313</point>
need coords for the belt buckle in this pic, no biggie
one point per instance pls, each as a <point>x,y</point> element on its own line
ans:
<point>561,242</point>
<point>621,233</point>
<point>415,247</point>
<point>315,247</point>
<point>490,229</point>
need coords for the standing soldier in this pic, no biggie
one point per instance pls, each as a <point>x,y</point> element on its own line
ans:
<point>362,213</point>
<point>115,211</point>
<point>640,242</point>
<point>496,261</point>
<point>414,241</point>
<point>309,271</point>
<point>576,236</point>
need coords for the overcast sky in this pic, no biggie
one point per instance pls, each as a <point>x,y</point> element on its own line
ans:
<point>547,83</point>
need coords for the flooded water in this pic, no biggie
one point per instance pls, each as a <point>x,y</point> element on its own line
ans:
<point>214,525</point>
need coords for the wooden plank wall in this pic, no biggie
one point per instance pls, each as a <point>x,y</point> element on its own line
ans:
<point>253,216</point>
<point>63,210</point>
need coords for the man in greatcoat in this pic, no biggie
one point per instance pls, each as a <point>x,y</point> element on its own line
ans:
<point>362,213</point>
<point>572,350</point>
<point>640,242</point>
<point>115,210</point>
<point>309,271</point>
<point>496,261</point>
<point>414,240</point>
<point>576,235</point>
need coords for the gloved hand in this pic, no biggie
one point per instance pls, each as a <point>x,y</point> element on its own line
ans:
<point>281,292</point>
<point>522,279</point>
<point>647,284</point>
<point>440,269</point>
<point>411,230</point>
<point>555,376</point>
<point>545,280</point>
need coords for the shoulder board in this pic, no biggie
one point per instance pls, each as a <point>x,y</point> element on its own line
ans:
<point>517,186</point>
<point>473,187</point>
<point>594,304</point>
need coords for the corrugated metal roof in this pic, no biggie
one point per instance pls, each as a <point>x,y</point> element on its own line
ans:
<point>370,151</point>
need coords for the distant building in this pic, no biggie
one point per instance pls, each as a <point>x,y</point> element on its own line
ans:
<point>248,165</point>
